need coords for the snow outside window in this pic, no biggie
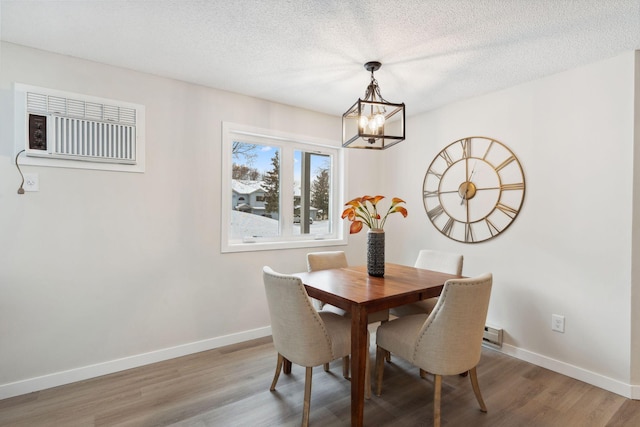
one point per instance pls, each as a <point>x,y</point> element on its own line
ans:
<point>279,190</point>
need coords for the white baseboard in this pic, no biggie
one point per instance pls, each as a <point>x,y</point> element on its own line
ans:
<point>66,377</point>
<point>78,374</point>
<point>626,390</point>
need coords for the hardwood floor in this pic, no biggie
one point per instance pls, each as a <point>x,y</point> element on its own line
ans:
<point>230,387</point>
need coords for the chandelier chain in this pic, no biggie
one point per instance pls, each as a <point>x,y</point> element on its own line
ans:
<point>373,91</point>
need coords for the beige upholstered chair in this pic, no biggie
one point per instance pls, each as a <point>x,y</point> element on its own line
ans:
<point>444,262</point>
<point>301,334</point>
<point>325,261</point>
<point>338,259</point>
<point>446,342</point>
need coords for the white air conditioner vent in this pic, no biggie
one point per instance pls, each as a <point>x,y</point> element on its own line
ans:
<point>63,126</point>
<point>46,104</point>
<point>91,140</point>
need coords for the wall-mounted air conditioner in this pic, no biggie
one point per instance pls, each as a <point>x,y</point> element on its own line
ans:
<point>64,129</point>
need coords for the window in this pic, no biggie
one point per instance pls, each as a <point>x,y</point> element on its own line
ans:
<point>279,190</point>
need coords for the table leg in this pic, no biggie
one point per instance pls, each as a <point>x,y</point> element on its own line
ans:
<point>359,351</point>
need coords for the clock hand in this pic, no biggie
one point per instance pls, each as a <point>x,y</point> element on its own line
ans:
<point>469,180</point>
<point>472,171</point>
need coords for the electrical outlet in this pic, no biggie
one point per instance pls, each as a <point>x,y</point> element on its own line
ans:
<point>31,182</point>
<point>557,323</point>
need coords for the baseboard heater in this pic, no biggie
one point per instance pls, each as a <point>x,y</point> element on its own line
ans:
<point>492,336</point>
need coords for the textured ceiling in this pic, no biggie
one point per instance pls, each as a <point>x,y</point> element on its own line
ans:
<point>310,54</point>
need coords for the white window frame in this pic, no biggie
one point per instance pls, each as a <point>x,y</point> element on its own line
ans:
<point>287,143</point>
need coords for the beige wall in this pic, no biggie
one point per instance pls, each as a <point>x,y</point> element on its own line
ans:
<point>101,271</point>
<point>569,251</point>
<point>635,289</point>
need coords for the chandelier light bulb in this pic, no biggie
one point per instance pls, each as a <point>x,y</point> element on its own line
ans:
<point>364,122</point>
<point>373,125</point>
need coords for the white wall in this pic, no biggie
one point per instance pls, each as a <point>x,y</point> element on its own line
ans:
<point>635,291</point>
<point>569,250</point>
<point>102,270</point>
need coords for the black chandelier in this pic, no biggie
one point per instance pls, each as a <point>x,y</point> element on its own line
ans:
<point>373,122</point>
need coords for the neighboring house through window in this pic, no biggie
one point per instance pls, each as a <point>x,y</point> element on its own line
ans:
<point>279,190</point>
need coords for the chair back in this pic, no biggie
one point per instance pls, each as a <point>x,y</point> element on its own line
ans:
<point>299,333</point>
<point>444,262</point>
<point>450,341</point>
<point>325,260</point>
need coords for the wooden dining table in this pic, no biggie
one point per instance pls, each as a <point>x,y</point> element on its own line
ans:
<point>353,290</point>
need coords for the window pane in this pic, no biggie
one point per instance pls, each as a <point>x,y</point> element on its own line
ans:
<point>279,190</point>
<point>255,195</point>
<point>312,193</point>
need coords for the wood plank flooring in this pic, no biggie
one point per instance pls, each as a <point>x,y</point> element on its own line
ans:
<point>230,387</point>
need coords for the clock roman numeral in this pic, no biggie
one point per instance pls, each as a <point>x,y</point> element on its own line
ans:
<point>428,193</point>
<point>435,212</point>
<point>514,186</point>
<point>486,153</point>
<point>447,158</point>
<point>436,174</point>
<point>448,227</point>
<point>505,163</point>
<point>468,233</point>
<point>466,148</point>
<point>507,210</point>
<point>492,228</point>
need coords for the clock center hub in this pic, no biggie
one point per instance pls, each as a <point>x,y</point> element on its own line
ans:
<point>467,190</point>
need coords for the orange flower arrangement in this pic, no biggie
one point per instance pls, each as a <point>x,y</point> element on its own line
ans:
<point>363,211</point>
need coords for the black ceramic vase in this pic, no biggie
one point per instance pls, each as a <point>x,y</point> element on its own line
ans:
<point>375,252</point>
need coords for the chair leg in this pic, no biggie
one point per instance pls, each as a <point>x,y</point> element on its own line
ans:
<point>388,356</point>
<point>381,355</point>
<point>286,367</point>
<point>423,374</point>
<point>346,363</point>
<point>437,396</point>
<point>326,367</point>
<point>307,397</point>
<point>473,375</point>
<point>277,375</point>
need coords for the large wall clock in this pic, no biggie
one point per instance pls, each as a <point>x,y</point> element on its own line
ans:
<point>473,189</point>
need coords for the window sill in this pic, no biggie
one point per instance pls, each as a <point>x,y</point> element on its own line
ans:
<point>289,244</point>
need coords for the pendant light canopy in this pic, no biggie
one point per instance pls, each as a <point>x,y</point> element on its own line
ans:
<point>373,122</point>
